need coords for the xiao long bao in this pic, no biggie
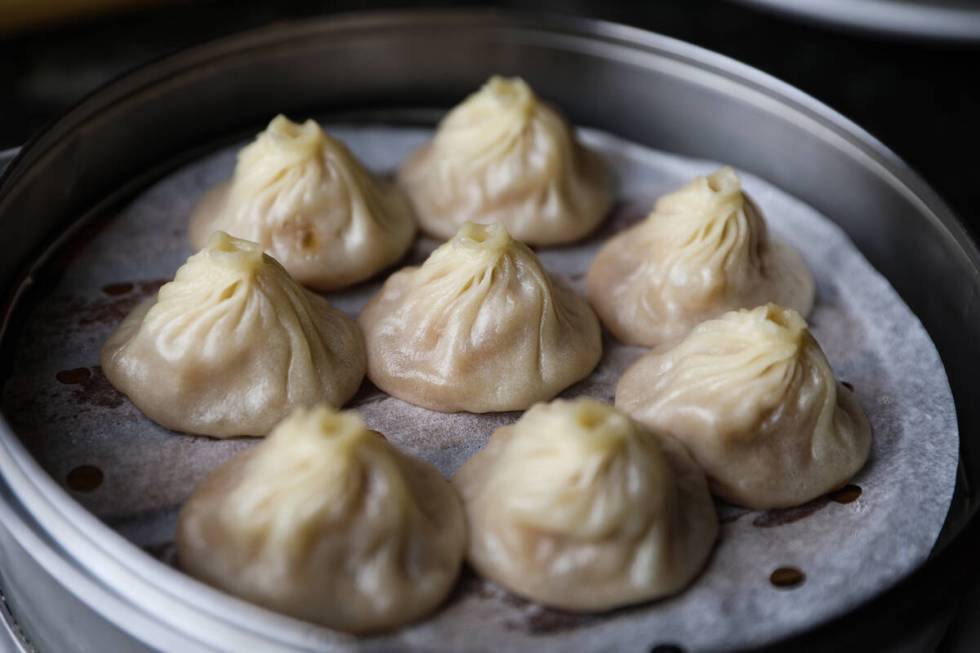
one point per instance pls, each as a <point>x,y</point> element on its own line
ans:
<point>479,327</point>
<point>232,345</point>
<point>327,522</point>
<point>753,398</point>
<point>703,251</point>
<point>505,156</point>
<point>311,205</point>
<point>578,507</point>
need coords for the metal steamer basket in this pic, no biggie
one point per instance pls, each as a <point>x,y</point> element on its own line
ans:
<point>70,583</point>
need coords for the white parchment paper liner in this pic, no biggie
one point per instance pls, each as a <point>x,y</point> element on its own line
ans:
<point>847,551</point>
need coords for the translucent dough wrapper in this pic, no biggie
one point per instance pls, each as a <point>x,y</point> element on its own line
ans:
<point>232,345</point>
<point>303,196</point>
<point>479,327</point>
<point>703,251</point>
<point>504,156</point>
<point>753,398</point>
<point>327,522</point>
<point>579,507</point>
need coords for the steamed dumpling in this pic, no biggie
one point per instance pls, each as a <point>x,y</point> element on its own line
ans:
<point>232,345</point>
<point>479,327</point>
<point>703,251</point>
<point>327,522</point>
<point>504,156</point>
<point>311,205</point>
<point>577,506</point>
<point>753,397</point>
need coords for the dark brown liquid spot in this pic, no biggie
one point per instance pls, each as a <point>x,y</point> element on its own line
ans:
<point>111,311</point>
<point>847,385</point>
<point>666,648</point>
<point>515,601</point>
<point>535,619</point>
<point>783,516</point>
<point>84,478</point>
<point>787,577</point>
<point>309,240</point>
<point>97,391</point>
<point>77,376</point>
<point>115,289</point>
<point>846,494</point>
<point>544,621</point>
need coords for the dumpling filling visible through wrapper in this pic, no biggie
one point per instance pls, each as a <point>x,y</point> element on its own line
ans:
<point>311,205</point>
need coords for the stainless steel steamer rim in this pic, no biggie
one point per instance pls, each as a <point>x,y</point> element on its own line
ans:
<point>947,20</point>
<point>643,86</point>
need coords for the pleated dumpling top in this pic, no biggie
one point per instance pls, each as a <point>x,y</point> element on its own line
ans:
<point>753,398</point>
<point>505,156</point>
<point>232,345</point>
<point>326,521</point>
<point>479,327</point>
<point>310,204</point>
<point>704,250</point>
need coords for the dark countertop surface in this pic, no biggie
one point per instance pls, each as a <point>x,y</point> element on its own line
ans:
<point>920,98</point>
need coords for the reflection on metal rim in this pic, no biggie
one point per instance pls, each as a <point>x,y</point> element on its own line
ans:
<point>12,638</point>
<point>926,19</point>
<point>6,156</point>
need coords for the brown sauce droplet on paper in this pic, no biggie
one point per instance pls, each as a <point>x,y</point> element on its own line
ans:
<point>783,516</point>
<point>787,577</point>
<point>846,494</point>
<point>515,601</point>
<point>112,310</point>
<point>547,620</point>
<point>114,289</point>
<point>96,390</point>
<point>77,376</point>
<point>84,478</point>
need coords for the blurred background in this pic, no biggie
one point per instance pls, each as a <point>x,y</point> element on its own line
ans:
<point>918,94</point>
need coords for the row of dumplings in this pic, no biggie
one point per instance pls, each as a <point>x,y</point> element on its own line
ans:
<point>579,505</point>
<point>500,156</point>
<point>575,506</point>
